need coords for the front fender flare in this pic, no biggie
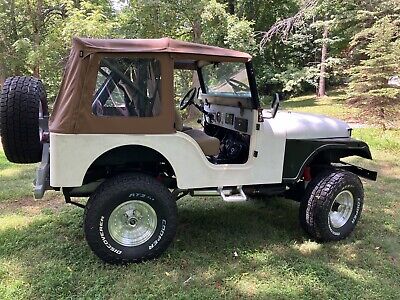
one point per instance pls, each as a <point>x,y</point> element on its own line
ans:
<point>301,153</point>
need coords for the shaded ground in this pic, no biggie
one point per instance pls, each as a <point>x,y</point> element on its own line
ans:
<point>30,206</point>
<point>221,251</point>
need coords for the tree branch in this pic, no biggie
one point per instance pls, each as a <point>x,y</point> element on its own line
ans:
<point>285,26</point>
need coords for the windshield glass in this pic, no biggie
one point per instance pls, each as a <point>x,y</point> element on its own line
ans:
<point>226,79</point>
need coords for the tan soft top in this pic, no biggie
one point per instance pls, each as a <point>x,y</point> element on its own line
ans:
<point>72,108</point>
<point>163,45</point>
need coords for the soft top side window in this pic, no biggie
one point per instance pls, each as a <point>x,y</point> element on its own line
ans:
<point>128,87</point>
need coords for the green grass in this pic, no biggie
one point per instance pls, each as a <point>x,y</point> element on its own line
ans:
<point>16,180</point>
<point>378,139</point>
<point>43,254</point>
<point>334,105</point>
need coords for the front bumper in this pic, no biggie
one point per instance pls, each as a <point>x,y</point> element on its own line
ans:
<point>364,173</point>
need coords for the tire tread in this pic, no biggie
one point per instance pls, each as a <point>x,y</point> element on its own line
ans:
<point>318,197</point>
<point>19,122</point>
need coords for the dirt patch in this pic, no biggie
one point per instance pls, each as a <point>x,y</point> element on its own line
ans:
<point>387,169</point>
<point>31,206</point>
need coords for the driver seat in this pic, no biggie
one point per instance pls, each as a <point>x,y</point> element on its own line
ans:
<point>208,144</point>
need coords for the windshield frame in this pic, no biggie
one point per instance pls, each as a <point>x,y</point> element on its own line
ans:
<point>255,103</point>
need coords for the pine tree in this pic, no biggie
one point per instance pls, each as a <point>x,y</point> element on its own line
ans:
<point>379,49</point>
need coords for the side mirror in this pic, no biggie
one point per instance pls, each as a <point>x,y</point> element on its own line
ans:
<point>275,105</point>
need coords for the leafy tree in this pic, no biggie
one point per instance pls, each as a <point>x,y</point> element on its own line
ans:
<point>314,34</point>
<point>87,20</point>
<point>221,28</point>
<point>379,46</point>
<point>36,35</point>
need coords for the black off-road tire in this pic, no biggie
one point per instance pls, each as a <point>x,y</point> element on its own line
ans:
<point>113,193</point>
<point>21,99</point>
<point>307,194</point>
<point>319,199</point>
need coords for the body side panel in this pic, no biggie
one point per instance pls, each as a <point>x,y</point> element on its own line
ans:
<point>72,154</point>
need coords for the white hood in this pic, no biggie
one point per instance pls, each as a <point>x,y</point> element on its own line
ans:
<point>309,126</point>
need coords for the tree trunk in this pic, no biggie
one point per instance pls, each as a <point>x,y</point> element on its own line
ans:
<point>322,73</point>
<point>2,74</point>
<point>193,112</point>
<point>37,20</point>
<point>14,30</point>
<point>231,7</point>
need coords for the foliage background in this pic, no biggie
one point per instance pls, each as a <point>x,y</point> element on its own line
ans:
<point>362,42</point>
<point>221,251</point>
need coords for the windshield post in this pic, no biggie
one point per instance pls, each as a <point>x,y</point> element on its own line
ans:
<point>253,85</point>
<point>201,80</point>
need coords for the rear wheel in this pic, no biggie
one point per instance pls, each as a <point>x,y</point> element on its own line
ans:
<point>130,218</point>
<point>332,205</point>
<point>22,103</point>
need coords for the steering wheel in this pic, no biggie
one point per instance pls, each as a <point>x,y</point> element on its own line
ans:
<point>188,99</point>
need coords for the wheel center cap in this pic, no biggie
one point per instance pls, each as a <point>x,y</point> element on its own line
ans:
<point>132,222</point>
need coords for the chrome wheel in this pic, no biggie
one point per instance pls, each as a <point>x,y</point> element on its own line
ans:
<point>132,223</point>
<point>341,209</point>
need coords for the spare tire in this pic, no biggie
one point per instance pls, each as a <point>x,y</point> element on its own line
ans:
<point>22,102</point>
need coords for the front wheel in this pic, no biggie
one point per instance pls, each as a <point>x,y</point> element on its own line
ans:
<point>130,218</point>
<point>332,205</point>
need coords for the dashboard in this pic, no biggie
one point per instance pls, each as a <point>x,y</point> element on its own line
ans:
<point>233,118</point>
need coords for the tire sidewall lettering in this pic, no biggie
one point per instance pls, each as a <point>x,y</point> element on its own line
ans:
<point>357,212</point>
<point>137,195</point>
<point>160,235</point>
<point>104,240</point>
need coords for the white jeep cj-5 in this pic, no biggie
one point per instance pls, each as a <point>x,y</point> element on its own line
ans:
<point>115,136</point>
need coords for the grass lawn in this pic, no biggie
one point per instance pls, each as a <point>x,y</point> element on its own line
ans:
<point>334,105</point>
<point>222,250</point>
